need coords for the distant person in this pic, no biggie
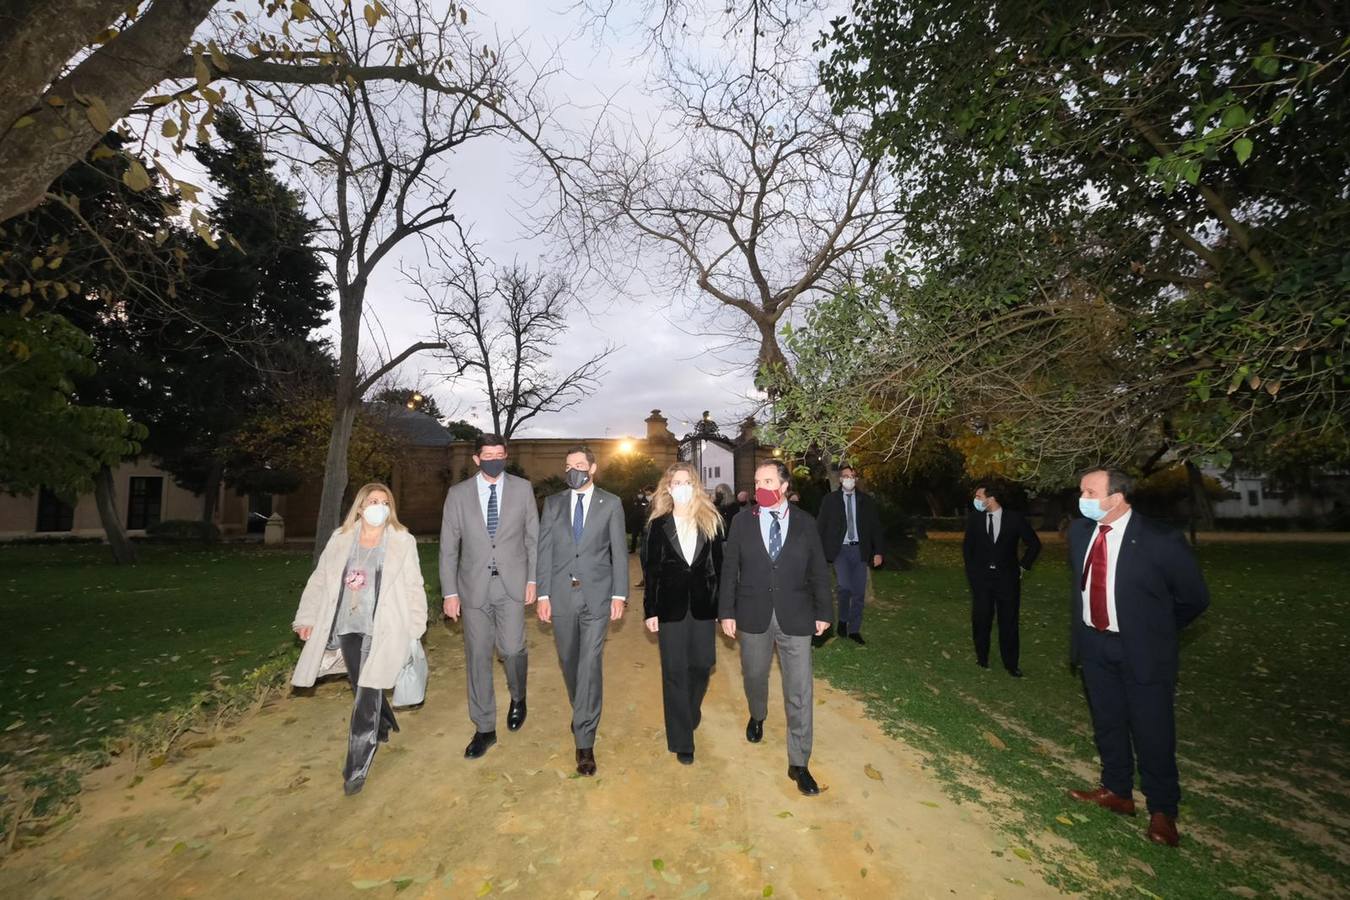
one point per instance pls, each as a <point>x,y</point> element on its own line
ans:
<point>994,573</point>
<point>742,499</point>
<point>725,499</point>
<point>683,563</point>
<point>635,516</point>
<point>367,583</point>
<point>794,498</point>
<point>775,592</point>
<point>583,573</point>
<point>489,539</point>
<point>850,531</point>
<point>1135,585</point>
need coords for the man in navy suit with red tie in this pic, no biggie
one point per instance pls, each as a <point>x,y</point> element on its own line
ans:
<point>1135,585</point>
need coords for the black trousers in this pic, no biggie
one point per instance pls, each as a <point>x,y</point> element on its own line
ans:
<point>688,651</point>
<point>996,594</point>
<point>372,716</point>
<point>1130,721</point>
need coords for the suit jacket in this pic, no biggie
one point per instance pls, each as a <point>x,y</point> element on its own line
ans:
<point>600,560</point>
<point>834,525</point>
<point>676,588</point>
<point>981,553</point>
<point>467,551</point>
<point>400,609</point>
<point>795,587</point>
<point>1159,591</point>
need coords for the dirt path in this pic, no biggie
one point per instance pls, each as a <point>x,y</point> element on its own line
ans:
<point>261,814</point>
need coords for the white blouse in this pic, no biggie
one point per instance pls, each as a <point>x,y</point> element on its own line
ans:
<point>687,531</point>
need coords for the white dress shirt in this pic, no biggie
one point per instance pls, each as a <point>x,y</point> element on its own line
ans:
<point>687,532</point>
<point>1114,539</point>
<point>997,515</point>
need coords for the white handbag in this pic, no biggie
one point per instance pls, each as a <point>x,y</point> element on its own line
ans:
<point>410,687</point>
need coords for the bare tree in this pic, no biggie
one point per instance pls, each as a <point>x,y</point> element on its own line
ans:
<point>757,197</point>
<point>374,157</point>
<point>500,328</point>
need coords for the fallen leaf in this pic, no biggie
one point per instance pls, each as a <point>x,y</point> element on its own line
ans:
<point>785,814</point>
<point>767,892</point>
<point>929,803</point>
<point>1022,853</point>
<point>365,884</point>
<point>1063,820</point>
<point>872,773</point>
<point>658,864</point>
<point>993,740</point>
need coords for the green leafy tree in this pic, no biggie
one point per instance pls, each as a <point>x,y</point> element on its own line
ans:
<point>1151,244</point>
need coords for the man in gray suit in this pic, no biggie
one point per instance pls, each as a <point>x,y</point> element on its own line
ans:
<point>583,567</point>
<point>489,538</point>
<point>775,592</point>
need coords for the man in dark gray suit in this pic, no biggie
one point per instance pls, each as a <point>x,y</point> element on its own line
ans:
<point>583,570</point>
<point>489,538</point>
<point>775,591</point>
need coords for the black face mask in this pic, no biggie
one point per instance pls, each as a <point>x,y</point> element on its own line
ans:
<point>492,467</point>
<point>577,478</point>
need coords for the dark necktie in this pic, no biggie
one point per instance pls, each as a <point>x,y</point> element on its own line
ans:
<point>578,520</point>
<point>492,511</point>
<point>1096,573</point>
<point>775,537</point>
<point>989,525</point>
<point>851,530</point>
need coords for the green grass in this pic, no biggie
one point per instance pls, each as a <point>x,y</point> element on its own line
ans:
<point>1261,723</point>
<point>91,649</point>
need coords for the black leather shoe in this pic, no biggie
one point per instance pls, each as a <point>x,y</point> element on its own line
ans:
<point>843,627</point>
<point>354,786</point>
<point>1015,672</point>
<point>686,759</point>
<point>586,761</point>
<point>754,730</point>
<point>982,663</point>
<point>857,638</point>
<point>515,716</point>
<point>482,740</point>
<point>805,783</point>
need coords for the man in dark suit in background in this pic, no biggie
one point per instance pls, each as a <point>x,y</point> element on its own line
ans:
<point>1135,585</point>
<point>995,574</point>
<point>775,591</point>
<point>850,531</point>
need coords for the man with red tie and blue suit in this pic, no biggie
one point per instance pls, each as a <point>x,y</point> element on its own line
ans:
<point>1135,585</point>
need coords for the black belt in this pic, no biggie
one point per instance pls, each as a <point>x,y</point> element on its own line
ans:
<point>852,543</point>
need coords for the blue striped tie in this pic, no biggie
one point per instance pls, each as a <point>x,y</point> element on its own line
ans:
<point>578,521</point>
<point>492,511</point>
<point>775,537</point>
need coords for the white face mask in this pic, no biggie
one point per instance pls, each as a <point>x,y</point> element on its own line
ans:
<point>848,484</point>
<point>375,514</point>
<point>682,493</point>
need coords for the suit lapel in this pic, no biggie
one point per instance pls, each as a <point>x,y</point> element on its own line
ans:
<point>597,507</point>
<point>672,535</point>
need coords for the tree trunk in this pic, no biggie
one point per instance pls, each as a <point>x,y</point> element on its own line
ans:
<point>334,475</point>
<point>105,497</point>
<point>1202,511</point>
<point>935,507</point>
<point>211,491</point>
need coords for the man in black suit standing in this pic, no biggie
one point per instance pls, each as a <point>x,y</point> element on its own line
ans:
<point>775,591</point>
<point>1135,585</point>
<point>995,574</point>
<point>850,531</point>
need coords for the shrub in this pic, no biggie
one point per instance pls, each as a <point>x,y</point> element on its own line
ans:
<point>183,531</point>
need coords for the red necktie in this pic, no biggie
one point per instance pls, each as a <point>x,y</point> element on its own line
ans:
<point>1096,569</point>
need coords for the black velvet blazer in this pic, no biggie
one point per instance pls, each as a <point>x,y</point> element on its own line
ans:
<point>676,588</point>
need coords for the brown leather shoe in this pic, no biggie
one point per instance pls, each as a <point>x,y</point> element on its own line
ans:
<point>1162,829</point>
<point>1106,800</point>
<point>586,761</point>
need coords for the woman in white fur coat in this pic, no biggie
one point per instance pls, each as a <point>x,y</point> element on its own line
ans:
<point>364,606</point>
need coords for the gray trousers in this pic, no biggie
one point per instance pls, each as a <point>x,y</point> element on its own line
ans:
<point>579,634</point>
<point>794,658</point>
<point>497,625</point>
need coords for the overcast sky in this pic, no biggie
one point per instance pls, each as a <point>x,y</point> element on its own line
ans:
<point>658,365</point>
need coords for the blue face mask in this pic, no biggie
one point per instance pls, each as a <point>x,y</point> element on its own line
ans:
<point>1092,508</point>
<point>979,504</point>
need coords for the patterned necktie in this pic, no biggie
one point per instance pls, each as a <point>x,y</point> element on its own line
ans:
<point>578,520</point>
<point>775,537</point>
<point>989,524</point>
<point>1096,572</point>
<point>492,511</point>
<point>851,532</point>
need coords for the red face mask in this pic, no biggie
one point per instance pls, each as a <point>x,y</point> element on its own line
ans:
<point>766,497</point>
